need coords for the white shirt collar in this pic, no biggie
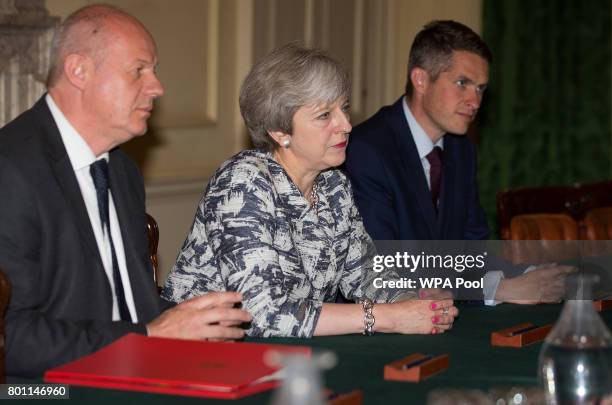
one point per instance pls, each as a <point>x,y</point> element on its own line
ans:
<point>421,139</point>
<point>79,153</point>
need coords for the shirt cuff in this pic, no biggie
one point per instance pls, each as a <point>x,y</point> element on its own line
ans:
<point>491,282</point>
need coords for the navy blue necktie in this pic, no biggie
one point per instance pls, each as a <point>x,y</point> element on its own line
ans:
<point>99,174</point>
<point>435,174</point>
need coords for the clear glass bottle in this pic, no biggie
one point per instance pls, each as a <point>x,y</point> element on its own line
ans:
<point>575,364</point>
<point>302,381</point>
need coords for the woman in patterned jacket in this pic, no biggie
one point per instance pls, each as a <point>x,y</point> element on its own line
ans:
<point>279,224</point>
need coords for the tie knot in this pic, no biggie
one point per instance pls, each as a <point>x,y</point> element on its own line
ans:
<point>435,156</point>
<point>99,174</point>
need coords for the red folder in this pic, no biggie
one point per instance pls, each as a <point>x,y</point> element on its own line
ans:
<point>174,366</point>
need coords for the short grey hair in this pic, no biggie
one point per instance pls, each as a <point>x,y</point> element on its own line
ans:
<point>83,31</point>
<point>288,78</point>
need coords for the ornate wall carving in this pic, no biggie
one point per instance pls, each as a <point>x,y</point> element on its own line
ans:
<point>26,31</point>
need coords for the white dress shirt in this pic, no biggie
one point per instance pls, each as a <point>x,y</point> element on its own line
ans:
<point>81,157</point>
<point>424,146</point>
<point>422,140</point>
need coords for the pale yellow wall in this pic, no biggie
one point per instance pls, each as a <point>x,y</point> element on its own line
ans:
<point>61,8</point>
<point>412,15</point>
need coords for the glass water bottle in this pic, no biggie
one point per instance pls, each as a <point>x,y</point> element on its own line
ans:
<point>575,365</point>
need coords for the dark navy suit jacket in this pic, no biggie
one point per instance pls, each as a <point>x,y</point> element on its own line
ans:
<point>61,302</point>
<point>391,189</point>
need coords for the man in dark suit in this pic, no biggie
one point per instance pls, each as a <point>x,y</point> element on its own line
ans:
<point>73,237</point>
<point>412,168</point>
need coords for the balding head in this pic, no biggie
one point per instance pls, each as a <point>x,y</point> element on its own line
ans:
<point>87,31</point>
<point>103,76</point>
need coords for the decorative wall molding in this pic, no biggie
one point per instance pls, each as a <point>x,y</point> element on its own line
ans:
<point>358,68</point>
<point>26,32</point>
<point>380,87</point>
<point>156,190</point>
<point>212,61</point>
<point>338,26</point>
<point>189,59</point>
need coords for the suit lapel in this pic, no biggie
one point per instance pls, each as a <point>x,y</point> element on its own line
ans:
<point>124,200</point>
<point>449,182</point>
<point>414,176</point>
<point>64,173</point>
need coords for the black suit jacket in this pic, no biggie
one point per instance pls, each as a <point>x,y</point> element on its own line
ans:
<point>61,300</point>
<point>391,189</point>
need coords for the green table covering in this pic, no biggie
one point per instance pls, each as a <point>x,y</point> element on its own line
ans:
<point>474,363</point>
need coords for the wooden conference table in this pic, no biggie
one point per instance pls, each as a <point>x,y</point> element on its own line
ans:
<point>474,363</point>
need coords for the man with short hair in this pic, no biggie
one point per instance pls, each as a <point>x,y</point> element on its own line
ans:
<point>412,168</point>
<point>73,237</point>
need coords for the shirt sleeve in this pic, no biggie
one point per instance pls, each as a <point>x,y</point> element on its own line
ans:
<point>357,280</point>
<point>353,283</point>
<point>491,283</point>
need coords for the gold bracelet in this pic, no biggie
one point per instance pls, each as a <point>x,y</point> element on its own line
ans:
<point>368,316</point>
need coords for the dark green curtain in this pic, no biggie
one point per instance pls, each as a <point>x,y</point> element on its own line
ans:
<point>546,117</point>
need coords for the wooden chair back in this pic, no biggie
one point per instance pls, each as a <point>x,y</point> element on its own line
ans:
<point>574,201</point>
<point>5,293</point>
<point>153,234</point>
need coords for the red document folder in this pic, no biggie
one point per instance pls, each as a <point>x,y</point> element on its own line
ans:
<point>174,366</point>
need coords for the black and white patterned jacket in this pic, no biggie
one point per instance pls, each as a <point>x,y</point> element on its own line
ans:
<point>255,233</point>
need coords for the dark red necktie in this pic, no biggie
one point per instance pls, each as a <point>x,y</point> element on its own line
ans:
<point>435,173</point>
